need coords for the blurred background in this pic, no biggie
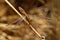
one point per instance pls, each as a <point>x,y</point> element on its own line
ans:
<point>43,15</point>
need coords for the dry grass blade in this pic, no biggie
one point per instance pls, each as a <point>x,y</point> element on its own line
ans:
<point>22,17</point>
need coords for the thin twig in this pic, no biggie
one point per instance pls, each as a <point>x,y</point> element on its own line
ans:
<point>22,17</point>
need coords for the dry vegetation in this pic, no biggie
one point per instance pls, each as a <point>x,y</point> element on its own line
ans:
<point>43,15</point>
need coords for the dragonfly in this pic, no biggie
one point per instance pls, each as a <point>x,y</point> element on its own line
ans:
<point>24,18</point>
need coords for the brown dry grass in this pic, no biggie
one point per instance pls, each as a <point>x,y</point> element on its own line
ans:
<point>45,19</point>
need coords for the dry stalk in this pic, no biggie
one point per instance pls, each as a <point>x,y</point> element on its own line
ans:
<point>22,16</point>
